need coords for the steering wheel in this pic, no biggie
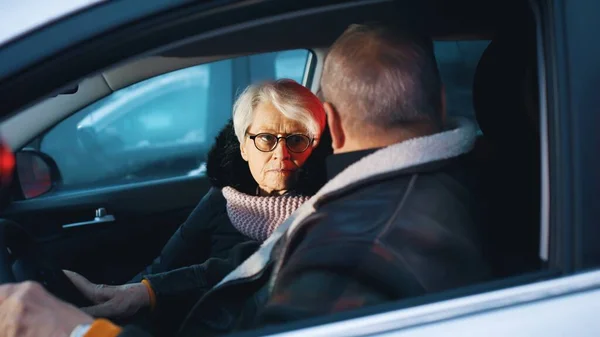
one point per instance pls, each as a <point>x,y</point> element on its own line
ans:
<point>20,261</point>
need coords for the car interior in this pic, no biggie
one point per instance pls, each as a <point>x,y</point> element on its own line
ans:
<point>109,230</point>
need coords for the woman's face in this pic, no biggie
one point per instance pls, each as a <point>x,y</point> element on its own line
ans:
<point>275,171</point>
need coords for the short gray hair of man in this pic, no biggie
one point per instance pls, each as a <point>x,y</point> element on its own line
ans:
<point>384,77</point>
<point>293,100</point>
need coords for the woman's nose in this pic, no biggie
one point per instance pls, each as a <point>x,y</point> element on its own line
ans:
<point>281,151</point>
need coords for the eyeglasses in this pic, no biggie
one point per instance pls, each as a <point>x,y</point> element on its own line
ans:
<point>266,142</point>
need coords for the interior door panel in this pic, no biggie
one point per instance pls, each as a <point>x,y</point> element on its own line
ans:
<point>146,215</point>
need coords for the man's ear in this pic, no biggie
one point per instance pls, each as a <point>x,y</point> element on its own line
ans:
<point>335,126</point>
<point>243,152</point>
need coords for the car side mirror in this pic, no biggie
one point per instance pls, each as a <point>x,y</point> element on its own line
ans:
<point>36,173</point>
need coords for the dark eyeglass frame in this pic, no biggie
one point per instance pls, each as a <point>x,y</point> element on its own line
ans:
<point>253,137</point>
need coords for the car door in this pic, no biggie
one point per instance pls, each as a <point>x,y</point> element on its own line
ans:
<point>128,168</point>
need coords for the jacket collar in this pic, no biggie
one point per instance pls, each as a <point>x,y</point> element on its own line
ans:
<point>336,163</point>
<point>457,140</point>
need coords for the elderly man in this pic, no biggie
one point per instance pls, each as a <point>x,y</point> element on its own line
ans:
<point>397,218</point>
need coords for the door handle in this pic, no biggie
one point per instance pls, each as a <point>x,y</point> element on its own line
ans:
<point>100,218</point>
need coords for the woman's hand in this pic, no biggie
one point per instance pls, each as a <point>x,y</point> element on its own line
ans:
<point>111,301</point>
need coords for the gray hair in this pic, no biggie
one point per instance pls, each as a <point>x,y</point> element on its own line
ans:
<point>382,77</point>
<point>293,100</point>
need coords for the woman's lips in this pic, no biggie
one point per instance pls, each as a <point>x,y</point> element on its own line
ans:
<point>282,171</point>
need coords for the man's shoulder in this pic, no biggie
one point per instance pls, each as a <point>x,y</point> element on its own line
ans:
<point>436,196</point>
<point>447,179</point>
<point>379,225</point>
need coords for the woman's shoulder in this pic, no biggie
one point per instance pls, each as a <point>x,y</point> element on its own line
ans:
<point>214,195</point>
<point>210,207</point>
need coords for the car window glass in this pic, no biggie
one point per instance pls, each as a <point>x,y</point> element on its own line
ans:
<point>457,61</point>
<point>161,127</point>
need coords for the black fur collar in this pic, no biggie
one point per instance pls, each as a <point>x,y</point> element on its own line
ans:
<point>226,167</point>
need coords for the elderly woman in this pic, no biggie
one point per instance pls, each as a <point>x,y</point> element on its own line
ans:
<point>263,166</point>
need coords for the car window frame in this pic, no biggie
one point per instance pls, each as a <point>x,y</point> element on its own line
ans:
<point>573,69</point>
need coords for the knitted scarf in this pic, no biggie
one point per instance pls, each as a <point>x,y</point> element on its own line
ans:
<point>257,217</point>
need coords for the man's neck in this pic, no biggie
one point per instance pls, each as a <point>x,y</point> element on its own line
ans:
<point>372,140</point>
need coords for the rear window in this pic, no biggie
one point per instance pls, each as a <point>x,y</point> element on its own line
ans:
<point>457,61</point>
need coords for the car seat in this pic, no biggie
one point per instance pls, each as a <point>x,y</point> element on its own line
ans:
<point>508,153</point>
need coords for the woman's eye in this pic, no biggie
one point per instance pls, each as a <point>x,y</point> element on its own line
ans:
<point>298,143</point>
<point>266,138</point>
<point>295,140</point>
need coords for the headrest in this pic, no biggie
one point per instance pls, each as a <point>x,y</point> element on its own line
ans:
<point>499,88</point>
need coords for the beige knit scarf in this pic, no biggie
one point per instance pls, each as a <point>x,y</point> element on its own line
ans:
<point>257,217</point>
